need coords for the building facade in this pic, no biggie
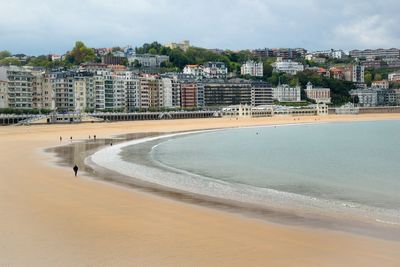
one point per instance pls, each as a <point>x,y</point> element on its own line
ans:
<point>252,68</point>
<point>285,93</point>
<point>320,95</point>
<point>287,66</point>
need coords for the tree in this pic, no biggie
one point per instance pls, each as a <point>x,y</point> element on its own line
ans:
<point>267,69</point>
<point>378,77</point>
<point>5,54</point>
<point>10,61</point>
<point>80,54</point>
<point>368,78</point>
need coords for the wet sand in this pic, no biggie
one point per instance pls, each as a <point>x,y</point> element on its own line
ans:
<point>49,217</point>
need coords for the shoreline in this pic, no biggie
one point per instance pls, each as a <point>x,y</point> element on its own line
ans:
<point>274,211</point>
<point>50,218</point>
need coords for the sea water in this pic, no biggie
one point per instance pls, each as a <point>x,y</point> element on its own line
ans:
<point>352,167</point>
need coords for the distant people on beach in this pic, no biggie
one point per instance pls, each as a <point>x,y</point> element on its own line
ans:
<point>89,136</point>
<point>70,138</point>
<point>94,137</point>
<point>75,168</point>
<point>60,138</point>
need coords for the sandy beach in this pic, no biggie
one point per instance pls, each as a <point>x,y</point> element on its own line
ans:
<point>50,218</point>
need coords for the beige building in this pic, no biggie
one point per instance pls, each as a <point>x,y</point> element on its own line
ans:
<point>320,95</point>
<point>3,94</point>
<point>185,45</point>
<point>80,94</point>
<point>151,93</point>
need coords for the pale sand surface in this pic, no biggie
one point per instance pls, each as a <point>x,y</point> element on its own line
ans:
<point>50,218</point>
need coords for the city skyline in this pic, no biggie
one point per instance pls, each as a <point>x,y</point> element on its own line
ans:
<point>54,26</point>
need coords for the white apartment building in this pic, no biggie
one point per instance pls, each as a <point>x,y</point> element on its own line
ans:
<point>320,95</point>
<point>252,68</point>
<point>195,70</point>
<point>285,93</point>
<point>132,85</point>
<point>287,66</point>
<point>215,70</point>
<point>171,92</point>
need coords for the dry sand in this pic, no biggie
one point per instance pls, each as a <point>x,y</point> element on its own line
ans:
<point>50,218</point>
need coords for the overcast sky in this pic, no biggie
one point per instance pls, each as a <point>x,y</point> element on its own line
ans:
<point>52,26</point>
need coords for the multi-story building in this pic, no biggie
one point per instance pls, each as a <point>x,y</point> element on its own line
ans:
<point>285,93</point>
<point>369,97</point>
<point>215,70</point>
<point>151,93</point>
<point>189,94</point>
<point>3,94</point>
<point>374,53</point>
<point>320,95</point>
<point>394,77</point>
<point>358,73</point>
<point>147,60</point>
<point>227,92</point>
<point>19,87</point>
<point>331,53</point>
<point>195,70</point>
<point>372,64</point>
<point>261,94</point>
<point>384,84</point>
<point>64,91</point>
<point>286,53</point>
<point>252,68</point>
<point>287,66</point>
<point>392,62</point>
<point>132,85</point>
<point>171,92</point>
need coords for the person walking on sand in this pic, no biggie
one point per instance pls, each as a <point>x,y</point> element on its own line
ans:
<point>94,137</point>
<point>60,138</point>
<point>75,168</point>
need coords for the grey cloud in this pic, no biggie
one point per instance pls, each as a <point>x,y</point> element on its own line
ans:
<point>39,27</point>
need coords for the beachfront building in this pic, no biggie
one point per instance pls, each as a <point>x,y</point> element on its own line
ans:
<point>19,87</point>
<point>243,111</point>
<point>237,111</point>
<point>252,68</point>
<point>3,94</point>
<point>370,97</point>
<point>319,95</point>
<point>261,94</point>
<point>285,93</point>
<point>227,92</point>
<point>151,93</point>
<point>287,66</point>
<point>189,92</point>
<point>215,70</point>
<point>171,92</point>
